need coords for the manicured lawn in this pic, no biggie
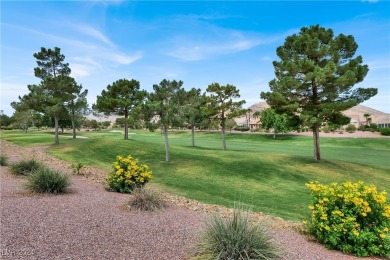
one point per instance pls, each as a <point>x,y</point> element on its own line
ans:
<point>269,174</point>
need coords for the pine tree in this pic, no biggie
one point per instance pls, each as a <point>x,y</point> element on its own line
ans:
<point>54,90</point>
<point>315,78</point>
<point>221,105</point>
<point>165,105</point>
<point>120,99</point>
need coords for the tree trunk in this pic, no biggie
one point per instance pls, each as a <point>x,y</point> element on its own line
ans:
<point>56,139</point>
<point>126,131</point>
<point>223,134</point>
<point>316,139</point>
<point>74,130</point>
<point>166,144</point>
<point>193,136</point>
<point>73,126</point>
<point>126,128</point>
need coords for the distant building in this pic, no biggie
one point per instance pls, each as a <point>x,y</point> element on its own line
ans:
<point>356,114</point>
<point>382,121</point>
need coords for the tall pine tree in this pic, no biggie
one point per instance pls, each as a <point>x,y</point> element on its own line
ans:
<point>165,105</point>
<point>220,104</point>
<point>120,98</point>
<point>54,90</point>
<point>315,78</point>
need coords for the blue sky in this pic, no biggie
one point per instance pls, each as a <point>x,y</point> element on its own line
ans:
<point>198,42</point>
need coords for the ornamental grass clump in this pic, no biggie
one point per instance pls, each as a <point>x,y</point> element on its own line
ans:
<point>45,180</point>
<point>351,217</point>
<point>127,175</point>
<point>236,238</point>
<point>76,168</point>
<point>146,200</point>
<point>3,160</point>
<point>25,167</point>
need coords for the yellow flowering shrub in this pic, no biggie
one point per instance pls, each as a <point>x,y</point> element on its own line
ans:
<point>127,175</point>
<point>352,217</point>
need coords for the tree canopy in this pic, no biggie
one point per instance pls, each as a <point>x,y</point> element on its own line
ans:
<point>55,89</point>
<point>220,104</point>
<point>270,119</point>
<point>315,78</point>
<point>193,115</point>
<point>165,106</point>
<point>77,106</point>
<point>120,98</point>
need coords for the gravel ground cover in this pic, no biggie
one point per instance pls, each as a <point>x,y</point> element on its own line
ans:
<point>91,223</point>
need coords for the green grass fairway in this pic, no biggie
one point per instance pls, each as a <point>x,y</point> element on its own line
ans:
<point>269,174</point>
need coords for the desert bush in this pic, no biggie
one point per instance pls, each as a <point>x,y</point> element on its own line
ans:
<point>146,200</point>
<point>373,126</point>
<point>237,238</point>
<point>3,160</point>
<point>25,167</point>
<point>241,128</point>
<point>325,129</point>
<point>45,180</point>
<point>127,175</point>
<point>351,217</point>
<point>76,168</point>
<point>350,128</point>
<point>385,131</point>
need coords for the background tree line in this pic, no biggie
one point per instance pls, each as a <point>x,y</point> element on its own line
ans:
<point>312,86</point>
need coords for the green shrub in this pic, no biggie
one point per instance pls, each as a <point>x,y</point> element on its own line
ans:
<point>237,238</point>
<point>25,167</point>
<point>45,180</point>
<point>3,160</point>
<point>146,200</point>
<point>241,128</point>
<point>385,131</point>
<point>352,217</point>
<point>325,129</point>
<point>76,168</point>
<point>127,175</point>
<point>373,126</point>
<point>350,128</point>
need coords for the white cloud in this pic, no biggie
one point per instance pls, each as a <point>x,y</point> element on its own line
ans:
<point>86,60</point>
<point>123,58</point>
<point>379,64</point>
<point>81,70</point>
<point>193,52</point>
<point>54,38</point>
<point>84,66</point>
<point>95,34</point>
<point>207,40</point>
<point>10,93</point>
<point>88,56</point>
